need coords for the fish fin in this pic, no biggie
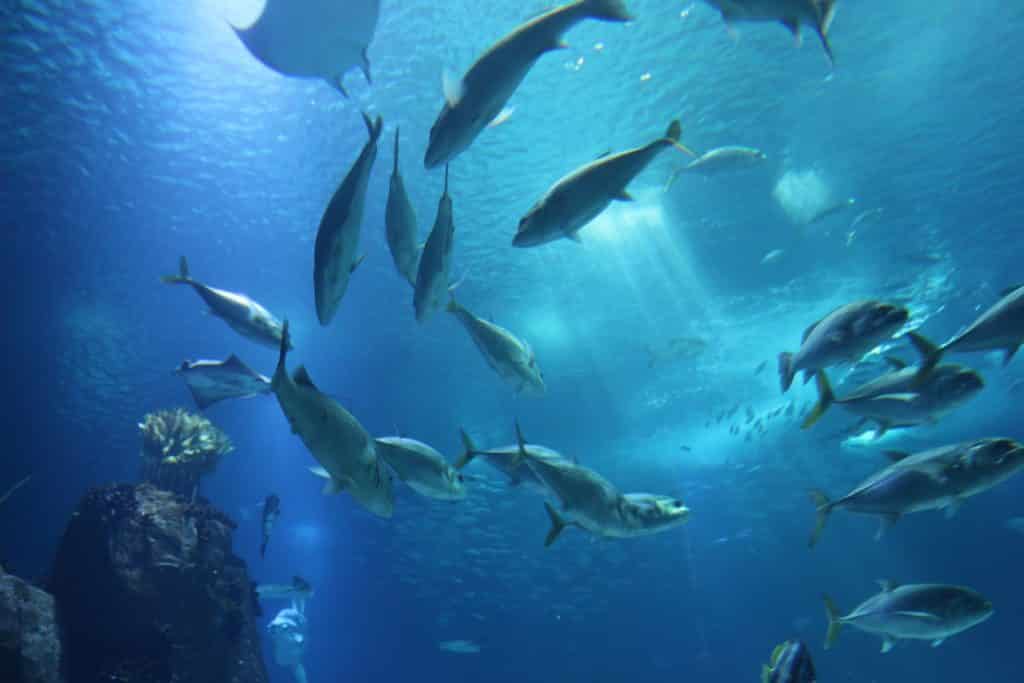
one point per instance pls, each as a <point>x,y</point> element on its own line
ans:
<point>886,585</point>
<point>903,397</point>
<point>777,652</point>
<point>624,196</point>
<point>896,456</point>
<point>358,262</point>
<point>607,10</point>
<point>394,170</point>
<point>603,154</point>
<point>182,277</point>
<point>886,522</point>
<point>824,507</point>
<point>835,623</point>
<point>822,28</point>
<point>557,524</point>
<point>786,371</point>
<point>917,615</point>
<point>469,449</point>
<point>938,641</point>
<point>672,135</point>
<point>808,376</point>
<point>365,66</point>
<point>672,178</point>
<point>301,376</point>
<point>333,487</point>
<point>452,87</point>
<point>574,236</point>
<point>521,444</point>
<point>338,82</point>
<point>1010,290</point>
<point>881,427</point>
<point>235,362</point>
<point>953,507</point>
<point>281,372</point>
<point>809,330</point>
<point>794,27</point>
<point>1010,352</point>
<point>887,645</point>
<point>318,471</point>
<point>825,399</point>
<point>931,354</point>
<point>766,673</point>
<point>895,363</point>
<point>504,115</point>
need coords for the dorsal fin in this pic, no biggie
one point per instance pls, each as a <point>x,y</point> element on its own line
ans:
<point>887,585</point>
<point>897,456</point>
<point>301,377</point>
<point>809,330</point>
<point>896,363</point>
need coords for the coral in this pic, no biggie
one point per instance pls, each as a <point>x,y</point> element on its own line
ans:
<point>179,447</point>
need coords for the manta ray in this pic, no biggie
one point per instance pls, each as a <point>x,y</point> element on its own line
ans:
<point>314,38</point>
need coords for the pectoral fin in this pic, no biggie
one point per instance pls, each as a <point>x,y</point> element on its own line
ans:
<point>918,615</point>
<point>624,196</point>
<point>887,645</point>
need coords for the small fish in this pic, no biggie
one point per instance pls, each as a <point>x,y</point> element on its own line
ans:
<point>299,590</point>
<point>10,491</point>
<point>210,381</point>
<point>579,197</point>
<point>508,355</point>
<point>790,663</point>
<point>842,336</point>
<point>817,14</point>
<point>923,611</point>
<point>459,647</point>
<point>432,283</point>
<point>831,209</point>
<point>937,479</point>
<point>772,256</point>
<point>863,216</point>
<point>480,97</point>
<point>271,512</point>
<point>722,160</point>
<point>760,367</point>
<point>422,468</point>
<point>400,225</point>
<point>337,238</point>
<point>242,314</point>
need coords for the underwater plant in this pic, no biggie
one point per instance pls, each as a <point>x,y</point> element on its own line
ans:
<point>178,448</point>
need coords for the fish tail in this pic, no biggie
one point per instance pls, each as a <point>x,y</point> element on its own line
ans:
<point>557,524</point>
<point>825,399</point>
<point>786,372</point>
<point>931,354</point>
<point>672,135</point>
<point>182,277</point>
<point>373,126</point>
<point>453,305</point>
<point>828,13</point>
<point>395,171</point>
<point>521,443</point>
<point>824,507</point>
<point>469,450</point>
<point>835,623</point>
<point>281,371</point>
<point>606,10</point>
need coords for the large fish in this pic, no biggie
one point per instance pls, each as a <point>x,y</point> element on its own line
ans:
<point>211,381</point>
<point>335,438</point>
<point>287,632</point>
<point>923,611</point>
<point>842,336</point>
<point>314,38</point>
<point>510,357</point>
<point>472,104</point>
<point>579,197</point>
<point>431,291</point>
<point>937,479</point>
<point>271,513</point>
<point>504,459</point>
<point>902,398</point>
<point>817,14</point>
<point>1000,328</point>
<point>337,238</point>
<point>242,314</point>
<point>421,467</point>
<point>790,663</point>
<point>400,225</point>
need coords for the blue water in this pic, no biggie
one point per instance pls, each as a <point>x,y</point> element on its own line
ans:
<point>136,132</point>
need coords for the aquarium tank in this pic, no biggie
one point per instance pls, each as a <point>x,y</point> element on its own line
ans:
<point>556,340</point>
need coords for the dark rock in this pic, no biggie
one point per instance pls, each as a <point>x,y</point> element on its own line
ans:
<point>29,636</point>
<point>150,592</point>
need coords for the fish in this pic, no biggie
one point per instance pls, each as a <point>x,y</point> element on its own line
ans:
<point>210,381</point>
<point>287,632</point>
<point>10,492</point>
<point>480,97</point>
<point>677,349</point>
<point>421,467</point>
<point>432,285</point>
<point>817,14</point>
<point>721,160</point>
<point>504,460</point>
<point>299,590</point>
<point>314,38</point>
<point>508,355</point>
<point>335,439</point>
<point>999,328</point>
<point>400,225</point>
<point>459,647</point>
<point>901,398</point>
<point>271,512</point>
<point>936,479</point>
<point>242,314</point>
<point>337,238</point>
<point>923,611</point>
<point>772,256</point>
<point>790,663</point>
<point>842,336</point>
<point>831,209</point>
<point>579,197</point>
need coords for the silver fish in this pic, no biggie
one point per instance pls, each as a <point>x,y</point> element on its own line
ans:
<point>1000,328</point>
<point>721,160</point>
<point>335,438</point>
<point>432,285</point>
<point>511,357</point>
<point>242,314</point>
<point>471,105</point>
<point>211,381</point>
<point>581,196</point>
<point>400,225</point>
<point>842,336</point>
<point>337,238</point>
<point>271,513</point>
<point>817,14</point>
<point>937,479</point>
<point>790,663</point>
<point>924,611</point>
<point>504,459</point>
<point>422,468</point>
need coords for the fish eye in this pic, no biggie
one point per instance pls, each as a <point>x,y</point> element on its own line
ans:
<point>459,478</point>
<point>678,503</point>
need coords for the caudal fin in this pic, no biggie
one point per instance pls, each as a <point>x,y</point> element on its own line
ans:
<point>469,450</point>
<point>607,10</point>
<point>834,622</point>
<point>373,126</point>
<point>521,443</point>
<point>931,354</point>
<point>281,371</point>
<point>786,372</point>
<point>183,275</point>
<point>828,13</point>
<point>824,507</point>
<point>395,170</point>
<point>557,524</point>
<point>825,399</point>
<point>672,135</point>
